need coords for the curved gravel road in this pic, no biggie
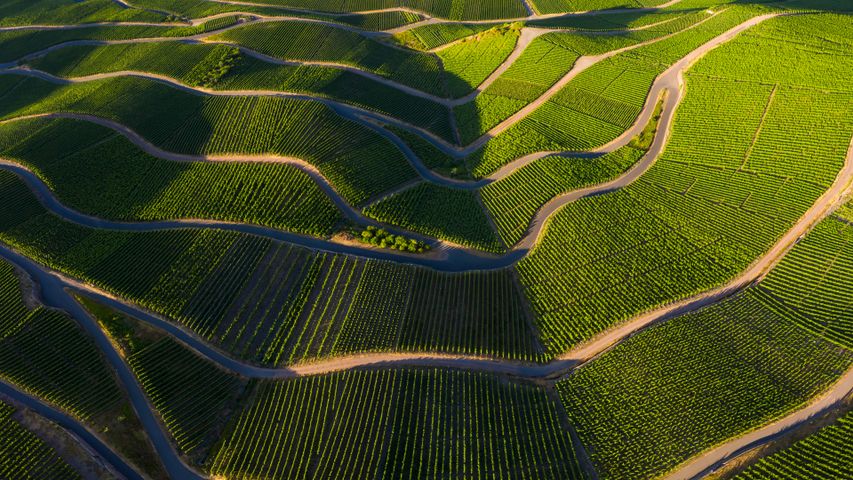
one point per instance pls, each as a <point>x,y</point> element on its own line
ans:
<point>83,434</point>
<point>53,294</point>
<point>833,198</point>
<point>433,19</point>
<point>706,463</point>
<point>53,291</point>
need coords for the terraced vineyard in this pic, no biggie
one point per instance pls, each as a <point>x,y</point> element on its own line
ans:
<point>492,239</point>
<point>822,455</point>
<point>26,455</point>
<point>387,412</point>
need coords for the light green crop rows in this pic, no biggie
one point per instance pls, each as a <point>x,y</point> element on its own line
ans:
<point>700,214</point>
<point>682,387</point>
<point>403,423</point>
<point>25,455</point>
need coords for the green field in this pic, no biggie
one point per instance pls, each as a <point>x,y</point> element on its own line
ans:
<point>401,423</point>
<point>823,455</point>
<point>313,42</point>
<point>444,239</point>
<point>25,455</point>
<point>109,177</point>
<point>185,123</point>
<point>221,67</point>
<point>698,216</point>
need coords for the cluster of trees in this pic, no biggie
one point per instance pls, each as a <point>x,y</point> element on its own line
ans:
<point>383,239</point>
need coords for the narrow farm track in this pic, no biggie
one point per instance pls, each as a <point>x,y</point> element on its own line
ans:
<point>833,198</point>
<point>82,434</point>
<point>433,19</point>
<point>706,463</point>
<point>53,294</point>
<point>670,81</point>
<point>54,285</point>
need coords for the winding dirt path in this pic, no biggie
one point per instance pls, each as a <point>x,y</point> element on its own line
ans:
<point>669,80</point>
<point>670,83</point>
<point>53,294</point>
<point>833,198</point>
<point>709,461</point>
<point>88,440</point>
<point>431,19</point>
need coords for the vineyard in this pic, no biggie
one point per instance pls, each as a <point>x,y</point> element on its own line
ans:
<point>602,101</point>
<point>403,423</point>
<point>191,124</point>
<point>814,271</point>
<point>25,455</point>
<point>545,61</point>
<point>275,303</point>
<point>312,42</point>
<point>428,37</point>
<point>445,239</point>
<point>50,357</point>
<point>697,216</point>
<point>188,393</point>
<point>29,12</point>
<point>706,377</point>
<point>553,6</point>
<point>202,65</point>
<point>823,455</point>
<point>453,10</point>
<point>141,187</point>
<point>446,213</point>
<point>468,67</point>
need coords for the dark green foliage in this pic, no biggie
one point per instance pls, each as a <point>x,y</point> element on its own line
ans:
<point>189,393</point>
<point>359,162</point>
<point>25,455</point>
<point>53,359</point>
<point>382,239</point>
